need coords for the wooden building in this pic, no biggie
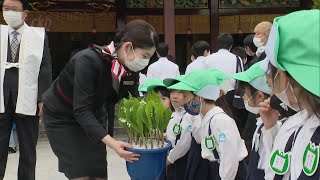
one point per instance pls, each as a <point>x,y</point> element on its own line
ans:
<point>73,24</point>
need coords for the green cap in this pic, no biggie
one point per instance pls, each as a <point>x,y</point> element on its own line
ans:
<point>255,76</point>
<point>150,84</point>
<point>170,81</point>
<point>295,47</point>
<point>204,83</point>
<point>220,76</point>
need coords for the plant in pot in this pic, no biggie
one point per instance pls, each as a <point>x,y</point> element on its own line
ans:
<point>145,120</point>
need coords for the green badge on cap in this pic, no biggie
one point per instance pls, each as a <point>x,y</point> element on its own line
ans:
<point>210,143</point>
<point>177,129</point>
<point>280,162</point>
<point>310,159</point>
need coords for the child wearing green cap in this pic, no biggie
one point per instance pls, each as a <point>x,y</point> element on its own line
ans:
<point>156,85</point>
<point>179,133</point>
<point>255,90</point>
<point>221,145</point>
<point>294,68</point>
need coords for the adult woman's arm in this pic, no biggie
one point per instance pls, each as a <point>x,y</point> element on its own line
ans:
<point>84,105</point>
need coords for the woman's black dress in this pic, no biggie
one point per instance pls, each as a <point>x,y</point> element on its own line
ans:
<point>74,115</point>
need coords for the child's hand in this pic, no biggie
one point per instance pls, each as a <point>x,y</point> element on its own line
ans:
<point>268,115</point>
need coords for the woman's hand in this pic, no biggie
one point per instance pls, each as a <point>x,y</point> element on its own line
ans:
<point>119,146</point>
<point>128,156</point>
<point>268,115</point>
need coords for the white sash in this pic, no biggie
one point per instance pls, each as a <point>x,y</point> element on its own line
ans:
<point>30,57</point>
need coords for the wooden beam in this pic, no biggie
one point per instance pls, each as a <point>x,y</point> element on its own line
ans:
<point>144,11</point>
<point>192,12</point>
<point>244,11</point>
<point>169,26</point>
<point>214,23</point>
<point>92,6</point>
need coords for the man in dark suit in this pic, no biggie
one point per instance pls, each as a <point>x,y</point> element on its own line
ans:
<point>26,73</point>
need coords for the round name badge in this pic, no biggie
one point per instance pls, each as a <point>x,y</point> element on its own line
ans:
<point>210,143</point>
<point>279,162</point>
<point>177,129</point>
<point>310,159</point>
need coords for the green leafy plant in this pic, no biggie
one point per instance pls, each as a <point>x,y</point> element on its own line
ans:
<point>316,4</point>
<point>144,119</point>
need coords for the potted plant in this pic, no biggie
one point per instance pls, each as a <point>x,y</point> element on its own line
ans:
<point>145,120</point>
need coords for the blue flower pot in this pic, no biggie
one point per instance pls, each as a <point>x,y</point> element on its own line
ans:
<point>151,164</point>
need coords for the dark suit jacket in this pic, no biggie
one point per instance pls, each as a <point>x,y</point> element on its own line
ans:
<point>86,83</point>
<point>11,77</point>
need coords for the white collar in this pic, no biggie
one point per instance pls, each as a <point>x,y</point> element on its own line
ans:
<point>163,59</point>
<point>180,110</point>
<point>211,113</point>
<point>259,121</point>
<point>223,50</point>
<point>112,48</point>
<point>20,30</point>
<point>296,120</point>
<point>313,121</point>
<point>199,58</point>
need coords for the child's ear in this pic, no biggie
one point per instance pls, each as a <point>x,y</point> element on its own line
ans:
<point>260,95</point>
<point>221,93</point>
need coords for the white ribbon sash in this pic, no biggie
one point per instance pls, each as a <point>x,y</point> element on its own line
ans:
<point>30,58</point>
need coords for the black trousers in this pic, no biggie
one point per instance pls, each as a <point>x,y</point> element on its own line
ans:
<point>27,130</point>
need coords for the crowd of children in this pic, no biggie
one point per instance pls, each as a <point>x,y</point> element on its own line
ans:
<point>205,138</point>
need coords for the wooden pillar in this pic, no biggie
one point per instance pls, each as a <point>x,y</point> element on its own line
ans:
<point>121,14</point>
<point>214,23</point>
<point>169,25</point>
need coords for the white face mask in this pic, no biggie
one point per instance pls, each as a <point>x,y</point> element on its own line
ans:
<point>257,42</point>
<point>137,64</point>
<point>12,18</point>
<point>283,96</point>
<point>253,110</point>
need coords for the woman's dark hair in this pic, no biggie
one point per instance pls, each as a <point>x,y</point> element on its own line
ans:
<point>139,32</point>
<point>222,103</point>
<point>199,47</point>
<point>303,94</point>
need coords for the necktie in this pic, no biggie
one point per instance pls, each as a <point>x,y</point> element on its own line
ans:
<point>14,45</point>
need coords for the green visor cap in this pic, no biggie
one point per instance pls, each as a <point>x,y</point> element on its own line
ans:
<point>150,84</point>
<point>220,76</point>
<point>297,47</point>
<point>204,83</point>
<point>170,81</point>
<point>255,76</point>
